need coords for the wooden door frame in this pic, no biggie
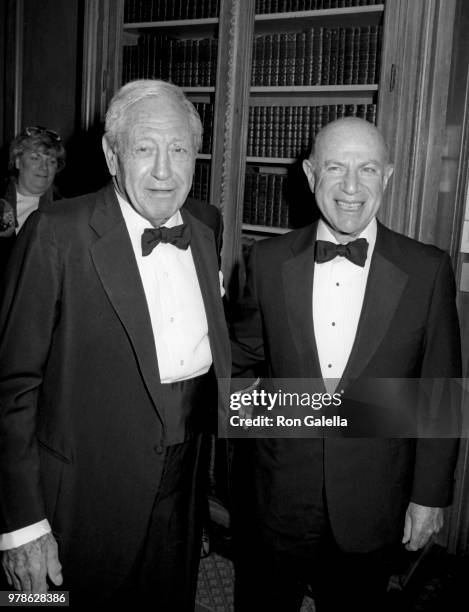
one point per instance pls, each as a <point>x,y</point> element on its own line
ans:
<point>412,108</point>
<point>102,61</point>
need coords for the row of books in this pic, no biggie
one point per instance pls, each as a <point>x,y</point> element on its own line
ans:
<point>289,131</point>
<point>186,62</point>
<point>206,110</point>
<point>318,56</point>
<point>264,202</point>
<point>201,183</point>
<point>287,6</point>
<point>138,11</point>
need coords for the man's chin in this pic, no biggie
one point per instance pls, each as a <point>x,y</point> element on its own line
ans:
<point>346,232</point>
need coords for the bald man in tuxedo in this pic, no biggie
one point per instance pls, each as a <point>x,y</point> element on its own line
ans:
<point>342,300</point>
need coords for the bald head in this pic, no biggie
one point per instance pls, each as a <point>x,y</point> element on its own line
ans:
<point>352,129</point>
<point>348,171</point>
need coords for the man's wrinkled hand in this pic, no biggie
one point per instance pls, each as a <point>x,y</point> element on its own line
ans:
<point>27,567</point>
<point>421,522</point>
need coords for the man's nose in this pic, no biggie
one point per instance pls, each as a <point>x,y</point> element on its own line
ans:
<point>162,166</point>
<point>350,182</point>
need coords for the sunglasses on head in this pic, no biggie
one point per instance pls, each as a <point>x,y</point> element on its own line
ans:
<point>38,129</point>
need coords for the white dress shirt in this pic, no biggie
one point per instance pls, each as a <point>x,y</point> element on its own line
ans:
<point>338,291</point>
<point>177,316</point>
<point>25,205</point>
<point>175,303</point>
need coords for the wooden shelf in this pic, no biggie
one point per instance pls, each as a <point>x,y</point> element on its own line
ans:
<point>265,229</point>
<point>307,89</point>
<point>194,90</point>
<point>203,156</point>
<point>281,161</point>
<point>298,20</point>
<point>312,95</point>
<point>178,28</point>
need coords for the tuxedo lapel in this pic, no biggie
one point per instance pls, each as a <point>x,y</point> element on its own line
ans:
<point>117,269</point>
<point>204,254</point>
<point>386,282</point>
<point>297,273</point>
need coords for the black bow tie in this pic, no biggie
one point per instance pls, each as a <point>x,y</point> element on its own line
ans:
<point>179,235</point>
<point>354,251</point>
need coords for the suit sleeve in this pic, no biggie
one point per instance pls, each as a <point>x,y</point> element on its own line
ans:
<point>247,330</point>
<point>28,315</point>
<point>436,458</point>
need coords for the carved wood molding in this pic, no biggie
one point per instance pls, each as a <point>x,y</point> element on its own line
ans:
<point>231,123</point>
<point>229,104</point>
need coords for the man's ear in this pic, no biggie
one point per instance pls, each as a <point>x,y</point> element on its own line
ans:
<point>389,169</point>
<point>17,162</point>
<point>308,169</point>
<point>110,155</point>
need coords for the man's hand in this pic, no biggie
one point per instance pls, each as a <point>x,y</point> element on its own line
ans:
<point>421,522</point>
<point>245,412</point>
<point>28,566</point>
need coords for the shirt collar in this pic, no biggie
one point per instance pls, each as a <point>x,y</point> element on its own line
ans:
<point>370,232</point>
<point>136,224</point>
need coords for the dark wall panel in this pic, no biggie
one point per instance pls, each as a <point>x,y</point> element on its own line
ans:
<point>51,65</point>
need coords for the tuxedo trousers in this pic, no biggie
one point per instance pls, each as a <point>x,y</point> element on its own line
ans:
<point>164,574</point>
<point>274,569</point>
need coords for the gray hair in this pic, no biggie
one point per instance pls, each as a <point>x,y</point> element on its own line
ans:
<point>133,92</point>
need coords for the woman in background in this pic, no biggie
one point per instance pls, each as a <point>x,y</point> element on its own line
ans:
<point>36,155</point>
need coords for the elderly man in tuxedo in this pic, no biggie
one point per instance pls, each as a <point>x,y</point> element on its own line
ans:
<point>345,299</point>
<point>112,339</point>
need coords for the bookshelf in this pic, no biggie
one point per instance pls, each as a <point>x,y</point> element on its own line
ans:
<point>308,67</point>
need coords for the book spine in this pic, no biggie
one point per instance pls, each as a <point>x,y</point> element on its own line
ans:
<point>326,56</point>
<point>364,55</point>
<point>317,56</point>
<point>299,61</point>
<point>356,55</point>
<point>275,66</point>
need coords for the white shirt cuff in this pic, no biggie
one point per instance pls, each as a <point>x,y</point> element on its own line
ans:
<point>24,535</point>
<point>222,288</point>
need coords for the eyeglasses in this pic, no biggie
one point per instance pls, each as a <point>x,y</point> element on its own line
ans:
<point>38,129</point>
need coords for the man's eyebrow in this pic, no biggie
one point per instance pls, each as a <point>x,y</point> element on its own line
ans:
<point>339,163</point>
<point>333,161</point>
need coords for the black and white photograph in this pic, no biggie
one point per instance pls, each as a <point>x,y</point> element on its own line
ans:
<point>234,305</point>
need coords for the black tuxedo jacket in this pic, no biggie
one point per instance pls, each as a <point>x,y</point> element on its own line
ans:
<point>82,425</point>
<point>7,244</point>
<point>408,328</point>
